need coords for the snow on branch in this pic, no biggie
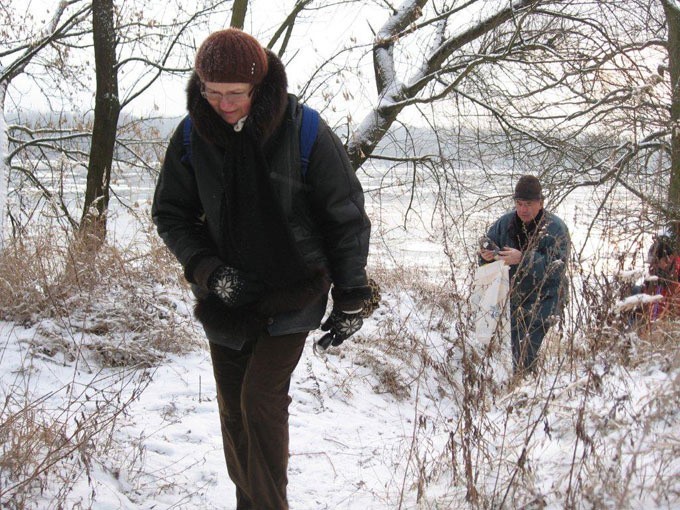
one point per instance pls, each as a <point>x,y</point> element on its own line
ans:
<point>396,27</point>
<point>404,16</point>
<point>674,4</point>
<point>394,96</point>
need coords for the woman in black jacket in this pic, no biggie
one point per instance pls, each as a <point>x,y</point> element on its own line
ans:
<point>261,245</point>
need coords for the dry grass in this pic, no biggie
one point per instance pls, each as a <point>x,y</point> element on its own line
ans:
<point>482,440</point>
<point>110,303</point>
<point>109,314</point>
<point>395,352</point>
<point>584,400</point>
<point>48,451</point>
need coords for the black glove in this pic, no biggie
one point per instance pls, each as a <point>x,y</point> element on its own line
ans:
<point>234,287</point>
<point>340,326</point>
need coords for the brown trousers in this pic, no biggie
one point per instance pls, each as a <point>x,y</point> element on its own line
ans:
<point>252,395</point>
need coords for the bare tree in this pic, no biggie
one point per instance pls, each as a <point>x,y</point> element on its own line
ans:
<point>286,27</point>
<point>672,11</point>
<point>394,93</point>
<point>580,87</point>
<point>238,13</point>
<point>23,51</point>
<point>106,113</point>
<point>575,92</point>
<point>49,151</point>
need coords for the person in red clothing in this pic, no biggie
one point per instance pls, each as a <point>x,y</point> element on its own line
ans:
<point>664,267</point>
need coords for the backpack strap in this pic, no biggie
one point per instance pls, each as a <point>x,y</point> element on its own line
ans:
<point>308,129</point>
<point>186,157</point>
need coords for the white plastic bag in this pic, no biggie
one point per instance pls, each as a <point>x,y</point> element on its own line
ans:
<point>492,317</point>
<point>491,310</point>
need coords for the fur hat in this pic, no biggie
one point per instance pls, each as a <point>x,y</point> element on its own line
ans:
<point>231,56</point>
<point>528,188</point>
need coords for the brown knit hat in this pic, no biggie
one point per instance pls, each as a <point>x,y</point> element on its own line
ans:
<point>528,188</point>
<point>231,56</point>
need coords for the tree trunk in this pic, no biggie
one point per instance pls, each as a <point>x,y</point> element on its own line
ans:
<point>238,13</point>
<point>672,10</point>
<point>4,166</point>
<point>106,112</point>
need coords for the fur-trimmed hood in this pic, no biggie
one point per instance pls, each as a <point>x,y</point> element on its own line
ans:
<point>270,100</point>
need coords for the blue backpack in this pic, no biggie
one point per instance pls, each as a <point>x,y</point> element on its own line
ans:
<point>308,130</point>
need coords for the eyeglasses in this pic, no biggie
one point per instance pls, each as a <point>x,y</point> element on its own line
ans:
<point>217,97</point>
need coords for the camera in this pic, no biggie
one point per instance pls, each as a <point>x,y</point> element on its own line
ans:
<point>487,244</point>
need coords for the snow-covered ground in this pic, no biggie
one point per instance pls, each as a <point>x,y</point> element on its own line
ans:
<point>356,444</point>
<point>383,422</point>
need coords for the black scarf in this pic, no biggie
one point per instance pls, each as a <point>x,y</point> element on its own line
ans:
<point>258,236</point>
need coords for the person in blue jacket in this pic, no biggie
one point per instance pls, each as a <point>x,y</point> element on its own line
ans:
<point>261,245</point>
<point>535,244</point>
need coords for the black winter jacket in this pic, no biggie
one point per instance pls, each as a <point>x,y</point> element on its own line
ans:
<point>324,211</point>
